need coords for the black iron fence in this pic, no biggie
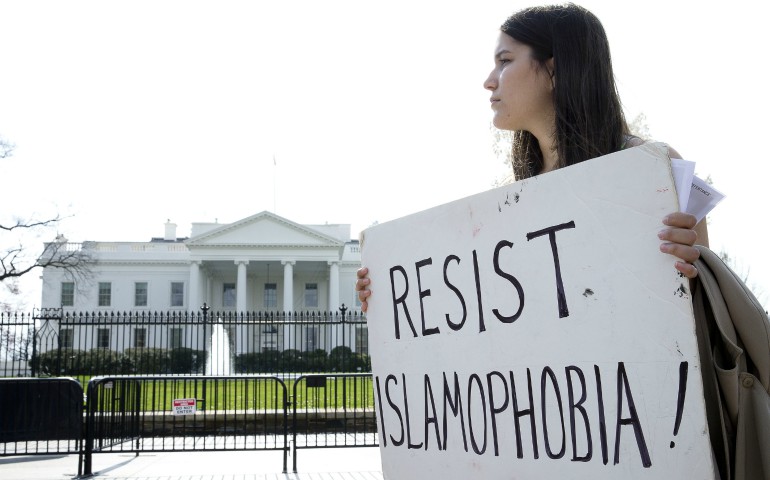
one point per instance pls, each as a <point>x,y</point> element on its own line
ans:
<point>184,381</point>
<point>82,345</point>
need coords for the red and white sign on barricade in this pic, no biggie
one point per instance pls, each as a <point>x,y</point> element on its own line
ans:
<point>184,406</point>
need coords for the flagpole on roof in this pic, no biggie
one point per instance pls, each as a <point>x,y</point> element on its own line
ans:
<point>274,169</point>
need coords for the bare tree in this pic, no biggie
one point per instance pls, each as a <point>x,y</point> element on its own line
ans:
<point>6,148</point>
<point>16,261</point>
<point>502,147</point>
<point>638,126</point>
<point>18,255</point>
<point>743,273</point>
<point>16,342</point>
<point>12,289</point>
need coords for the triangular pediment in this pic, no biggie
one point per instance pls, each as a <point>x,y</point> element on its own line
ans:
<point>264,229</point>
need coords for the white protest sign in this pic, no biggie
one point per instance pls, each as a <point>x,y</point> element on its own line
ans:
<point>536,331</point>
<point>184,406</point>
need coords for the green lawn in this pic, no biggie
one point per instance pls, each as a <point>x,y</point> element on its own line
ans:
<point>235,394</point>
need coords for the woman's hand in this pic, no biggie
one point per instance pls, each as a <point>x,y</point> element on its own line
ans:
<point>362,287</point>
<point>678,240</point>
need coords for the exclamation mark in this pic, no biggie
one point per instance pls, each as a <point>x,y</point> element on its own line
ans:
<point>680,399</point>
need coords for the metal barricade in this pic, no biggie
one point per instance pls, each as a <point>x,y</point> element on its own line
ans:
<point>333,410</point>
<point>144,413</point>
<point>40,416</point>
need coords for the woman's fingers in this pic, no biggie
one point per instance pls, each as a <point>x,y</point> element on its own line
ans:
<point>687,269</point>
<point>679,240</point>
<point>680,220</point>
<point>362,289</point>
<point>679,236</point>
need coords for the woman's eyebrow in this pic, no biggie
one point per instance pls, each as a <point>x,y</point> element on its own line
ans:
<point>500,53</point>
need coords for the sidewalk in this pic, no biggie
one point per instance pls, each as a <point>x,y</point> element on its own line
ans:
<point>361,463</point>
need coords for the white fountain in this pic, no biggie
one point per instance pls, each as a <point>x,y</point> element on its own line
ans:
<point>219,361</point>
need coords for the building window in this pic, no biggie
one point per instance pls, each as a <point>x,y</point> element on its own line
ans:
<point>67,294</point>
<point>140,294</point>
<point>103,338</point>
<point>177,294</point>
<point>175,338</point>
<point>311,295</point>
<point>267,337</point>
<point>228,295</point>
<point>105,294</point>
<point>362,339</point>
<point>66,338</point>
<point>271,295</point>
<point>311,339</point>
<point>140,337</point>
<point>358,301</point>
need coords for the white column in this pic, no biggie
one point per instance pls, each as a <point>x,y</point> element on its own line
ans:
<point>240,287</point>
<point>334,286</point>
<point>207,288</point>
<point>195,285</point>
<point>288,285</point>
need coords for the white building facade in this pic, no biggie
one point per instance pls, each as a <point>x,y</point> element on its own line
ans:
<point>261,263</point>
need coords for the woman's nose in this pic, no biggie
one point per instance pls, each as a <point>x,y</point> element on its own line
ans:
<point>491,82</point>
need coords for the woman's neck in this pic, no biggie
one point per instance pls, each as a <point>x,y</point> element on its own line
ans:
<point>549,152</point>
<point>550,160</point>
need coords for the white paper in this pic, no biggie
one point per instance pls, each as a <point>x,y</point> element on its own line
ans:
<point>703,198</point>
<point>696,197</point>
<point>683,171</point>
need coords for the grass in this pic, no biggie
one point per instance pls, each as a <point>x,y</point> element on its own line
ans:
<point>262,394</point>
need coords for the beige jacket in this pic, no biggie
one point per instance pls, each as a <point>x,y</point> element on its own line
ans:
<point>734,338</point>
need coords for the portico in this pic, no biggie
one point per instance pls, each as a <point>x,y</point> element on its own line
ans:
<point>266,262</point>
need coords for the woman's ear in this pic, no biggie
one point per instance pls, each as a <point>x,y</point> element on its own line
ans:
<point>551,72</point>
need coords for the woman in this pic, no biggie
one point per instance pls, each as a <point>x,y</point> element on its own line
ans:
<point>553,86</point>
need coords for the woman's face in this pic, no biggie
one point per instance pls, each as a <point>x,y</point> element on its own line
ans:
<point>522,90</point>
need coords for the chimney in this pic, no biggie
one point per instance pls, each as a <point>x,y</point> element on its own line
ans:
<point>170,231</point>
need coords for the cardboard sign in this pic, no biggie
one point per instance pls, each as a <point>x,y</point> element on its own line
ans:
<point>183,406</point>
<point>537,331</point>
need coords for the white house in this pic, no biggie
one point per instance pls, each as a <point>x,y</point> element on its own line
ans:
<point>261,263</point>
<point>274,285</point>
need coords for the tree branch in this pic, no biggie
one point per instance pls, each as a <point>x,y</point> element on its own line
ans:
<point>6,148</point>
<point>21,224</point>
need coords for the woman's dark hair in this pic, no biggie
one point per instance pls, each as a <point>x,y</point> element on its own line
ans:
<point>589,116</point>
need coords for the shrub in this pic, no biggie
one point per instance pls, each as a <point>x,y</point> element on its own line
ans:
<point>316,360</point>
<point>291,361</point>
<point>343,359</point>
<point>58,362</point>
<point>270,362</point>
<point>99,362</point>
<point>147,361</point>
<point>247,362</point>
<point>186,360</point>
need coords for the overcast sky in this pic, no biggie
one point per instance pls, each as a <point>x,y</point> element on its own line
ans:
<point>126,114</point>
